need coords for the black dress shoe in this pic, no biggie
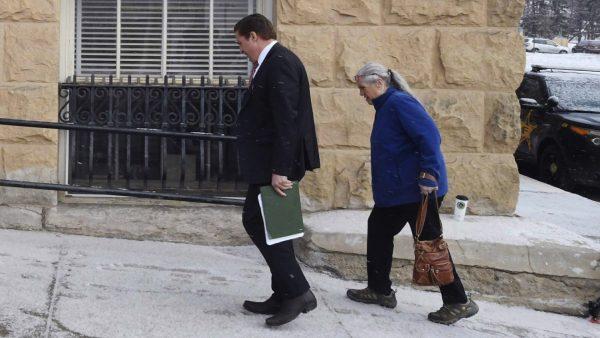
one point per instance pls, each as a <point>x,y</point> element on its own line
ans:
<point>268,307</point>
<point>291,308</point>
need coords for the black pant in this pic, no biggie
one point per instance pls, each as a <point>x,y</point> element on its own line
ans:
<point>287,279</point>
<point>384,224</point>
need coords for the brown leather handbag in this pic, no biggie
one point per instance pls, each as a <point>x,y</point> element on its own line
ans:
<point>432,258</point>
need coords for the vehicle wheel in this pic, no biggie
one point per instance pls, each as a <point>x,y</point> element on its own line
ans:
<point>535,50</point>
<point>563,52</point>
<point>553,169</point>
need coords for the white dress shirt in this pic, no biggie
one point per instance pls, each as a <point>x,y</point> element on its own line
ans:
<point>263,55</point>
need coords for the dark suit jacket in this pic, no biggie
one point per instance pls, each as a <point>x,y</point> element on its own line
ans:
<point>275,127</point>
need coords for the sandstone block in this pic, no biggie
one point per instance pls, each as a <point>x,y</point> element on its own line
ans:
<point>502,123</point>
<point>353,180</point>
<point>490,181</point>
<point>29,10</point>
<point>29,102</point>
<point>35,163</point>
<point>482,59</point>
<point>318,187</point>
<point>342,118</point>
<point>459,116</point>
<point>344,12</point>
<point>2,72</point>
<point>407,50</point>
<point>432,12</point>
<point>505,13</point>
<point>31,52</point>
<point>316,48</point>
<point>343,181</point>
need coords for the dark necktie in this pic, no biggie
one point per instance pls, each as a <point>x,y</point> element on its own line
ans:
<point>254,66</point>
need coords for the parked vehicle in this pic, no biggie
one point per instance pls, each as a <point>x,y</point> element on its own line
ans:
<point>587,46</point>
<point>560,124</point>
<point>535,45</point>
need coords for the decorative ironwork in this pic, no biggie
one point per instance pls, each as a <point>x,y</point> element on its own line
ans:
<point>109,159</point>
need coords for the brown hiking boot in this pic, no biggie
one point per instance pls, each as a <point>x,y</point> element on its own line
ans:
<point>369,296</point>
<point>451,313</point>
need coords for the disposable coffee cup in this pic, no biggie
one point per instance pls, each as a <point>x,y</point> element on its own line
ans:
<point>460,207</point>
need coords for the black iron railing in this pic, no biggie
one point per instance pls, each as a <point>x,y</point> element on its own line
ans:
<point>177,195</point>
<point>139,134</point>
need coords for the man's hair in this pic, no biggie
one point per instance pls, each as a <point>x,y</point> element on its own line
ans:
<point>255,23</point>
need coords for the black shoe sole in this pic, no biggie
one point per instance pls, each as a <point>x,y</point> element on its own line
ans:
<point>307,308</point>
<point>258,312</point>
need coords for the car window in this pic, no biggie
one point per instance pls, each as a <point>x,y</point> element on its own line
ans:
<point>531,88</point>
<point>539,41</point>
<point>553,43</point>
<point>594,43</point>
<point>576,92</point>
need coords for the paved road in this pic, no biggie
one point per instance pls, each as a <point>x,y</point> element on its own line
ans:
<point>54,285</point>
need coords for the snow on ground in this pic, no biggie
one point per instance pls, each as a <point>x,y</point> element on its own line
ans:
<point>64,286</point>
<point>543,202</point>
<point>576,60</point>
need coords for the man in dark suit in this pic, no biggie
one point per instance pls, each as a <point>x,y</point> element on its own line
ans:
<point>277,143</point>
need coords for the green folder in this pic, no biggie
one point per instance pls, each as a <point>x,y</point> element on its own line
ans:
<point>282,216</point>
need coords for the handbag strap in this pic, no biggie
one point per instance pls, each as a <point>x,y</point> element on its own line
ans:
<point>422,214</point>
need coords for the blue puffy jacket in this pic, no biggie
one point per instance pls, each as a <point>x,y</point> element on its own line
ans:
<point>404,142</point>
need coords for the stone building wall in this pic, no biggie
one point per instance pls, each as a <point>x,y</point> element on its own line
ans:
<point>29,55</point>
<point>463,58</point>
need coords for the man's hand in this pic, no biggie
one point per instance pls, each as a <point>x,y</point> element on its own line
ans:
<point>280,183</point>
<point>427,186</point>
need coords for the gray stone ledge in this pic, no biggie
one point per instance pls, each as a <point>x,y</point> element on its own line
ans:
<point>565,295</point>
<point>511,244</point>
<point>510,260</point>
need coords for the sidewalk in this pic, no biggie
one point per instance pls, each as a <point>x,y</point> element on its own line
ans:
<point>55,285</point>
<point>543,202</point>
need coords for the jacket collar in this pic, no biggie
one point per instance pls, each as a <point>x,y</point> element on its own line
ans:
<point>261,67</point>
<point>379,101</point>
<point>258,74</point>
<point>263,55</point>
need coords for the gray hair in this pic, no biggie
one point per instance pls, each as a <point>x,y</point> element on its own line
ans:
<point>372,71</point>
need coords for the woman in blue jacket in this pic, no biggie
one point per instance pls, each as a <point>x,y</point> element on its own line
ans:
<point>406,162</point>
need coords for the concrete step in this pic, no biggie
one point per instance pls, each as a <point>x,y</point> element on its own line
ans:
<point>511,260</point>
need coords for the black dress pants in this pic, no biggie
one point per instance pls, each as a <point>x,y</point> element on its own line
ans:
<point>287,279</point>
<point>384,224</point>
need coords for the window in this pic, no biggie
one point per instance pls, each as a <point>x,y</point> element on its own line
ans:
<point>153,38</point>
<point>159,37</point>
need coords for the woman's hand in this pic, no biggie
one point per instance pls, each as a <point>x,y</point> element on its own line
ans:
<point>280,183</point>
<point>427,186</point>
